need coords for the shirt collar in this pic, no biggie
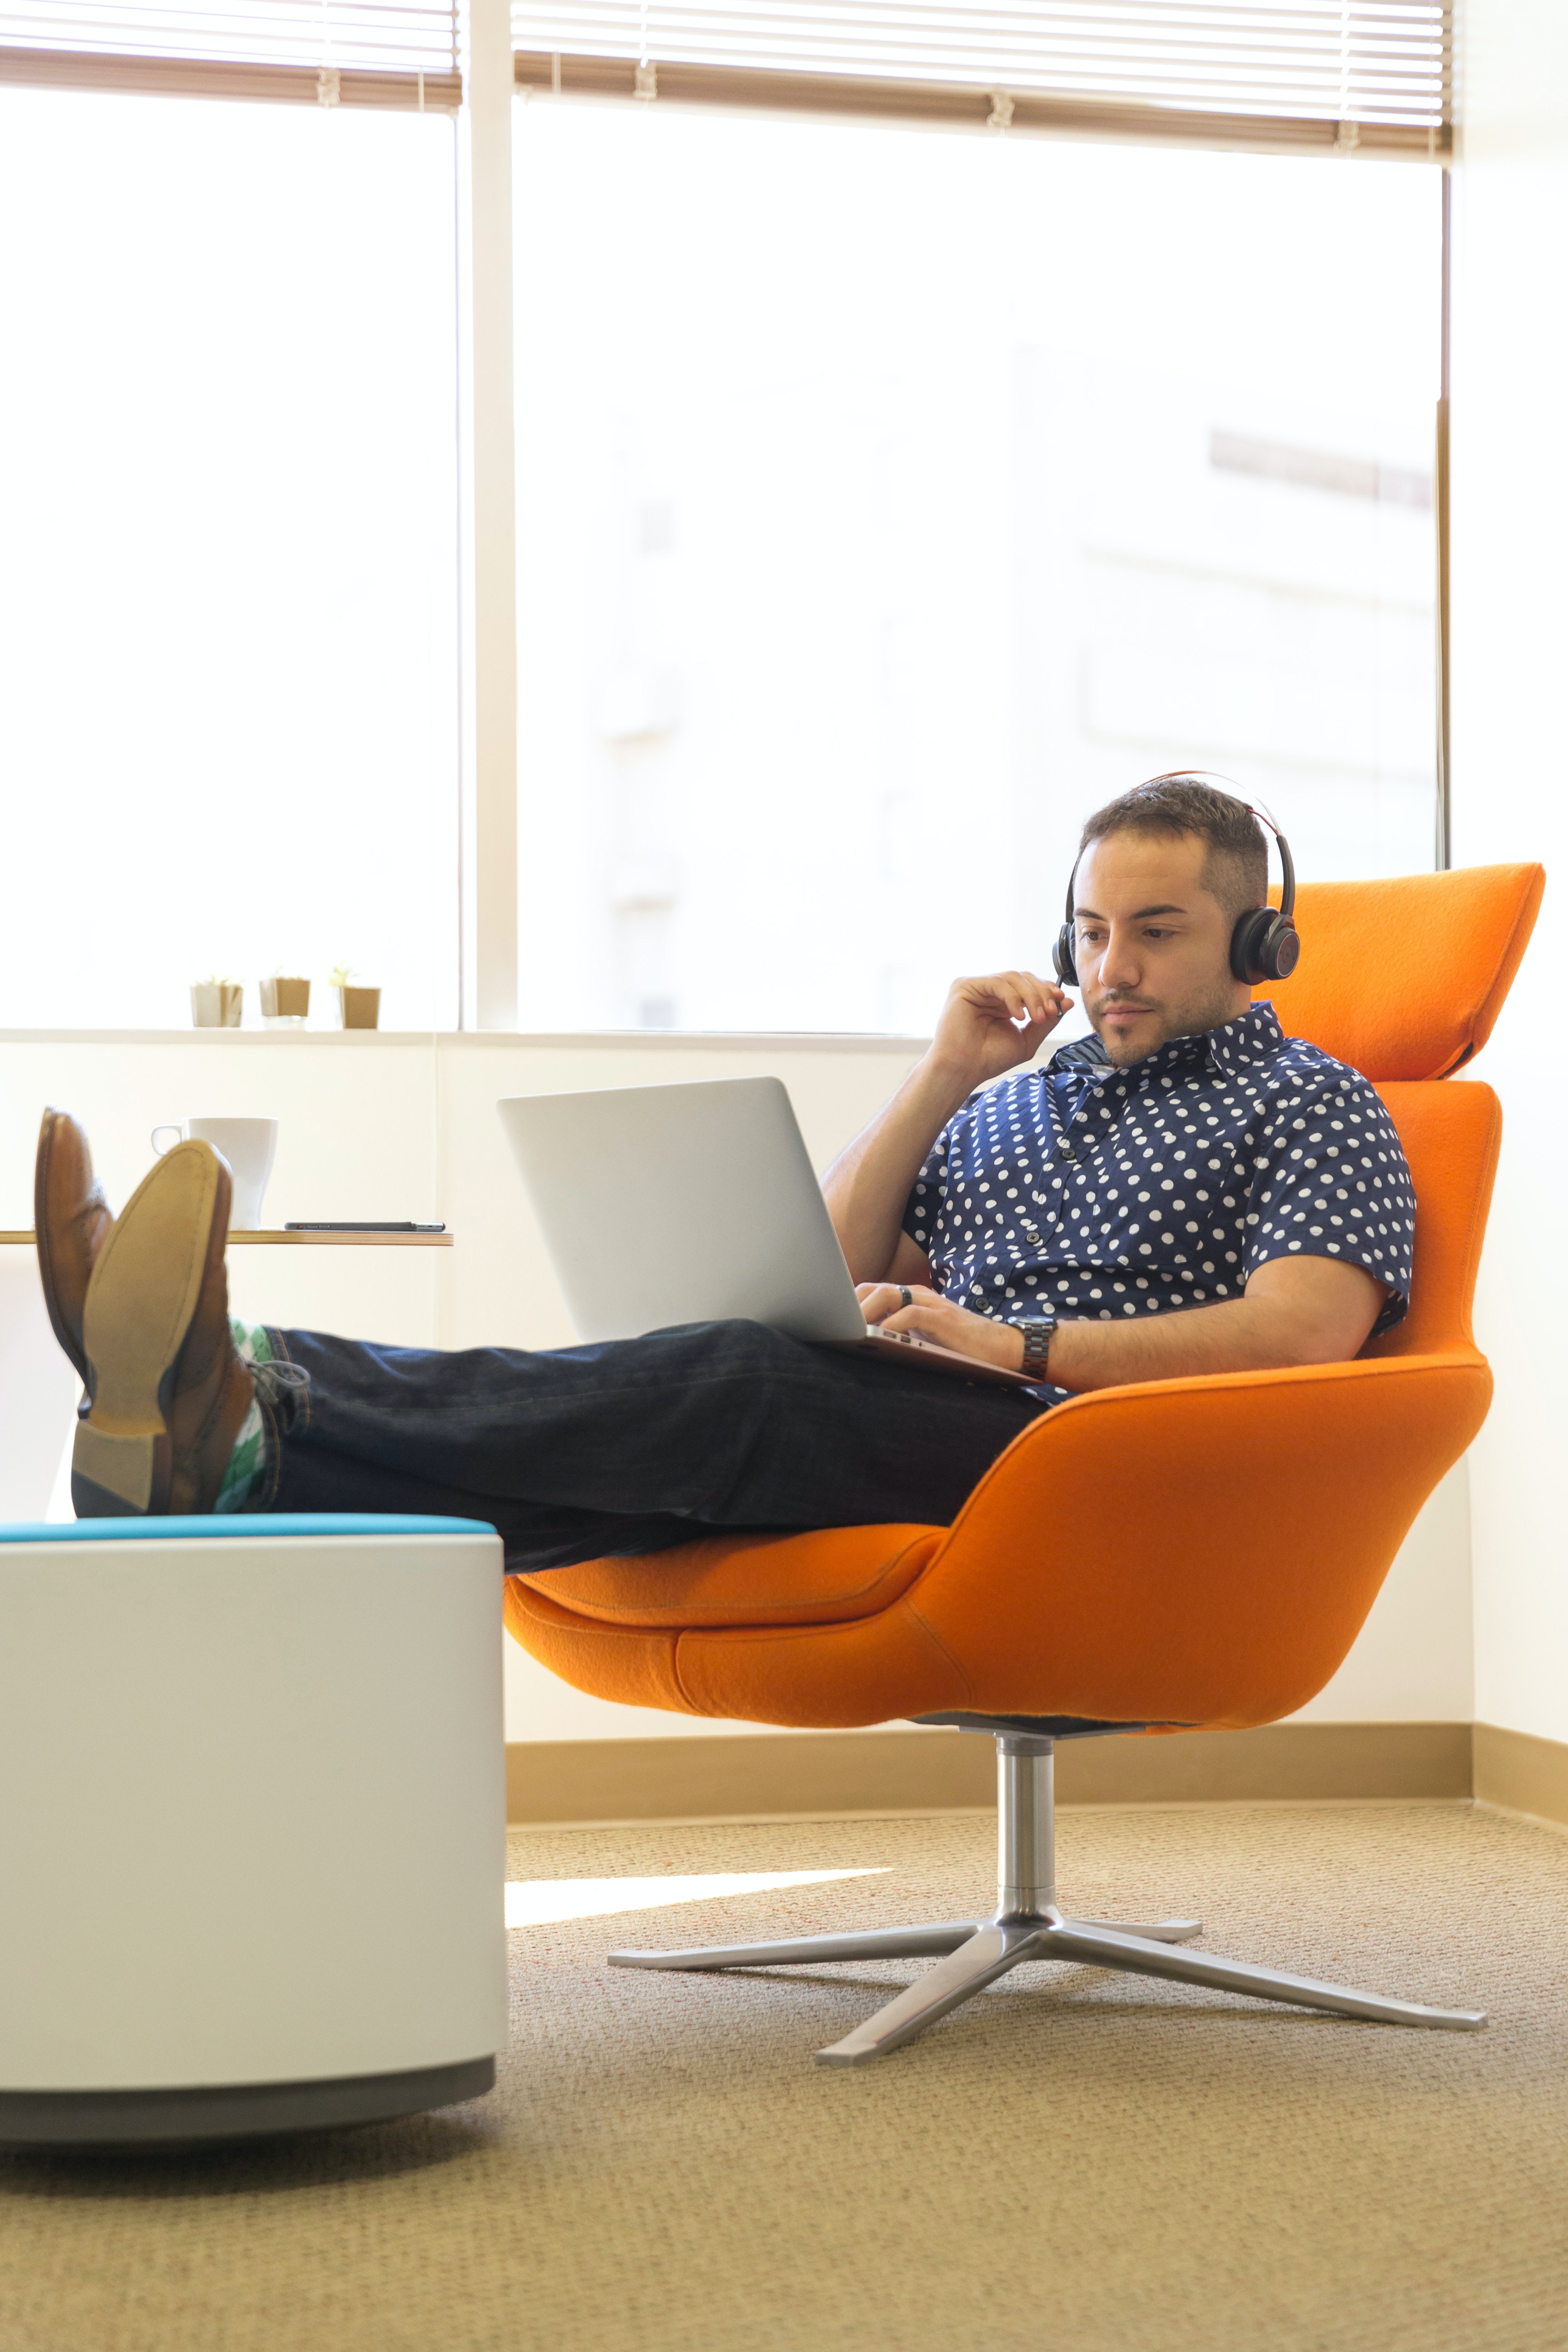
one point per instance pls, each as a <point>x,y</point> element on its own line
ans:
<point>1240,1044</point>
<point>1254,1037</point>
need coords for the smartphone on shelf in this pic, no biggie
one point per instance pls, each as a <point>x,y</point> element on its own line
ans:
<point>357,1225</point>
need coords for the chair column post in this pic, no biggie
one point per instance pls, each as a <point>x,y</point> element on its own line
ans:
<point>1026,1826</point>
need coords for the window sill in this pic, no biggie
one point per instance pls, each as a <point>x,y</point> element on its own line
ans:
<point>723,1041</point>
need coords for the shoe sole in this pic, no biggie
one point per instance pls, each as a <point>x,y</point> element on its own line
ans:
<point>68,1339</point>
<point>141,1303</point>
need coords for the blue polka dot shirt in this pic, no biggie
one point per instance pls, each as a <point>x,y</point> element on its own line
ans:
<point>1114,1193</point>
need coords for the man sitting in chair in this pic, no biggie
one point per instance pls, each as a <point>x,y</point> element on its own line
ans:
<point>1186,1191</point>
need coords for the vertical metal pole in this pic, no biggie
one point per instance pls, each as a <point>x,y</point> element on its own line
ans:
<point>1445,845</point>
<point>489,828</point>
<point>1026,1837</point>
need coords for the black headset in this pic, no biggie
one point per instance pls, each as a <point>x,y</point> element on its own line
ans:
<point>1265,944</point>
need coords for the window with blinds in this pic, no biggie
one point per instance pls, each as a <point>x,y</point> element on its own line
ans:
<point>1368,75</point>
<point>380,53</point>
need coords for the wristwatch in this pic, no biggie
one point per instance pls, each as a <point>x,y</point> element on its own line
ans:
<point>1038,1331</point>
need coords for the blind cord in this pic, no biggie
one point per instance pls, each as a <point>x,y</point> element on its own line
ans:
<point>645,82</point>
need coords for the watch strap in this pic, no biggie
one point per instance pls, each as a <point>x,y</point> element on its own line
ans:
<point>1039,1332</point>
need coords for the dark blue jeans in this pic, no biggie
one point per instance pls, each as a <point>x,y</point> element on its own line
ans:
<point>631,1445</point>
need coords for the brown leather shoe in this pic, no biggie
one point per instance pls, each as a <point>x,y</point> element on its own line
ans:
<point>72,1221</point>
<point>169,1390</point>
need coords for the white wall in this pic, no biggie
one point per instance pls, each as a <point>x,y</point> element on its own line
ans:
<point>1510,750</point>
<point>384,1126</point>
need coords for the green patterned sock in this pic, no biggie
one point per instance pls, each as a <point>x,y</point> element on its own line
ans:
<point>245,1480</point>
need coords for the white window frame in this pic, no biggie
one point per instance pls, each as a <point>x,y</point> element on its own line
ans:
<point>487,528</point>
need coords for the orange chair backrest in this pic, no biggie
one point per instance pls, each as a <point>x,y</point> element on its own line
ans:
<point>1404,978</point>
<point>1450,1135</point>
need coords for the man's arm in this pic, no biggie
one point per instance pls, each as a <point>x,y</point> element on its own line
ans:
<point>1296,1310</point>
<point>987,1025</point>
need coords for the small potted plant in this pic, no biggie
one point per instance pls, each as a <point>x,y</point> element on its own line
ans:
<point>285,1000</point>
<point>216,1003</point>
<point>357,1008</point>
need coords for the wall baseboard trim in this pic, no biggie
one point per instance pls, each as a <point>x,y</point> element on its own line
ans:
<point>817,1775</point>
<point>1521,1773</point>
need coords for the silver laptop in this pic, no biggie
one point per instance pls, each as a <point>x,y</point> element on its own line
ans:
<point>662,1206</point>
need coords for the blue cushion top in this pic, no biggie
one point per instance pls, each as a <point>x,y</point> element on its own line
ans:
<point>239,1523</point>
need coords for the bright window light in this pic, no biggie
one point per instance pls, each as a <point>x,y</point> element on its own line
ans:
<point>889,499</point>
<point>228,716</point>
<point>532,1902</point>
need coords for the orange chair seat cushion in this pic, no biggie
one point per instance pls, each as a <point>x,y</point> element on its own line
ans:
<point>825,1578</point>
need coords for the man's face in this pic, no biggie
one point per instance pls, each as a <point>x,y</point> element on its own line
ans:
<point>1152,945</point>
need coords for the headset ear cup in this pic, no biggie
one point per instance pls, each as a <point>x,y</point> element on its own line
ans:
<point>1263,946</point>
<point>1248,944</point>
<point>1284,948</point>
<point>1063,958</point>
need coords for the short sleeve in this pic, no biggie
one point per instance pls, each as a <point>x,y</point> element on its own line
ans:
<point>1331,1179</point>
<point>923,1211</point>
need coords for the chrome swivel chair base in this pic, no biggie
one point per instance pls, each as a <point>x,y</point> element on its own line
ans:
<point>1028,1925</point>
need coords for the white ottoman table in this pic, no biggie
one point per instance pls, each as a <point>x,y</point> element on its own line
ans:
<point>252,1825</point>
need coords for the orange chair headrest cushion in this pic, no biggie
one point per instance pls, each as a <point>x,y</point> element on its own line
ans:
<point>1403,979</point>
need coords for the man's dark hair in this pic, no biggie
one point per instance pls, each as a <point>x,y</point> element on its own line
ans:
<point>1236,861</point>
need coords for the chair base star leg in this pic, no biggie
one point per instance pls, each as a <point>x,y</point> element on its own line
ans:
<point>1105,1947</point>
<point>857,1944</point>
<point>989,1952</point>
<point>1154,1931</point>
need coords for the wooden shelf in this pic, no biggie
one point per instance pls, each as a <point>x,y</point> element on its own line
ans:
<point>275,1234</point>
<point>275,1237</point>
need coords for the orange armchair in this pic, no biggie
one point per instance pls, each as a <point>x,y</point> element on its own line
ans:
<point>1158,1557</point>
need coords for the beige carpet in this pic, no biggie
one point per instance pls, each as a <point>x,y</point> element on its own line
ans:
<point>1075,2159</point>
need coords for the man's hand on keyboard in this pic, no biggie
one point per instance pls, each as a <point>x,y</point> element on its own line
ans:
<point>934,1318</point>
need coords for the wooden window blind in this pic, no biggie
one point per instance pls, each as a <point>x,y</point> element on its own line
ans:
<point>1373,76</point>
<point>383,53</point>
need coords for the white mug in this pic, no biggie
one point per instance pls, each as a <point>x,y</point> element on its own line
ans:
<point>247,1145</point>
